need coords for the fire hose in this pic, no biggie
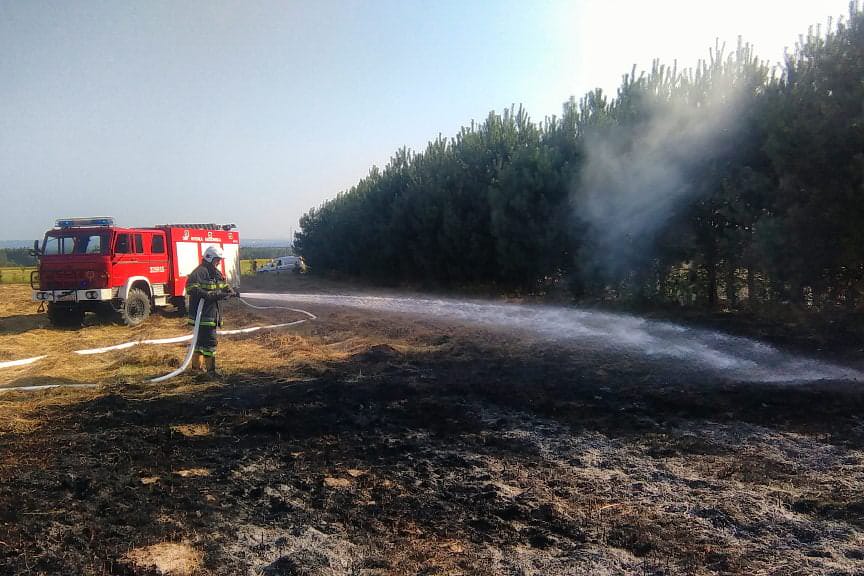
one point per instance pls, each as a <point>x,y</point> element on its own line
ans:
<point>192,338</point>
<point>190,351</point>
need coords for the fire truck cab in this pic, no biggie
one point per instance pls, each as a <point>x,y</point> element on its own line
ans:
<point>91,265</point>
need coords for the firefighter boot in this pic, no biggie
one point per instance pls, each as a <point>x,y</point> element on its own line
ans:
<point>211,367</point>
<point>198,361</point>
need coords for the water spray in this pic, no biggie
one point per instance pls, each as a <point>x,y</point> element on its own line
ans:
<point>705,351</point>
<point>725,356</point>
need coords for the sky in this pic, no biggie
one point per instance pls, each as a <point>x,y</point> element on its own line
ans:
<point>253,112</point>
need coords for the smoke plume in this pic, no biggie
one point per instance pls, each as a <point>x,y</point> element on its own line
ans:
<point>638,172</point>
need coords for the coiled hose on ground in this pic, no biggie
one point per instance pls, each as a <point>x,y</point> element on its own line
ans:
<point>192,338</point>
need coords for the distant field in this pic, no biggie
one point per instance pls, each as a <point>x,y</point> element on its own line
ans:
<point>17,275</point>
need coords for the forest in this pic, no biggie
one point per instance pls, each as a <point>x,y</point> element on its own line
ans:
<point>22,257</point>
<point>728,185</point>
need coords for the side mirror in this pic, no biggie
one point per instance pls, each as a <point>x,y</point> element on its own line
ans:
<point>35,251</point>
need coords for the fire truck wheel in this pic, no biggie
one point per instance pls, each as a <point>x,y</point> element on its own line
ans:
<point>136,309</point>
<point>65,316</point>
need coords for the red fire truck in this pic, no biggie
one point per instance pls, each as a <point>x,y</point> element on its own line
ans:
<point>91,265</point>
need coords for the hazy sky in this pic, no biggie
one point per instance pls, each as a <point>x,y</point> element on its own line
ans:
<point>253,112</point>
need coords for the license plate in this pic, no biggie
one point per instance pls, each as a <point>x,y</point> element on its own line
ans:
<point>64,296</point>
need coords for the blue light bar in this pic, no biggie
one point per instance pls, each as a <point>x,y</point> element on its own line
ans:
<point>82,222</point>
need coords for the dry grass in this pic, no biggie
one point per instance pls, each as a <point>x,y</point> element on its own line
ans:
<point>168,558</point>
<point>25,332</point>
<point>192,472</point>
<point>192,430</point>
<point>21,412</point>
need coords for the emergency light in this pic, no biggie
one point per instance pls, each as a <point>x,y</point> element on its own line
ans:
<point>82,222</point>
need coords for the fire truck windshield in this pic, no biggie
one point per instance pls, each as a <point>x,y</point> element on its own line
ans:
<point>72,243</point>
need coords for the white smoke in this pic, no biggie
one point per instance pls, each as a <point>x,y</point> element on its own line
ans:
<point>636,175</point>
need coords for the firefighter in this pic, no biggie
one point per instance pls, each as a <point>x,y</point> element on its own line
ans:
<point>207,283</point>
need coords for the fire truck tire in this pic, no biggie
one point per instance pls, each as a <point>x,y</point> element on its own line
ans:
<point>65,316</point>
<point>136,308</point>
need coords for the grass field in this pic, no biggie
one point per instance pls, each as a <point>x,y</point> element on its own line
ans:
<point>17,275</point>
<point>20,275</point>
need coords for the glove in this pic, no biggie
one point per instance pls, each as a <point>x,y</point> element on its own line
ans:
<point>212,296</point>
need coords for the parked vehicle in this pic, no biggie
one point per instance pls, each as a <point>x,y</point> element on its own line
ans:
<point>91,265</point>
<point>281,264</point>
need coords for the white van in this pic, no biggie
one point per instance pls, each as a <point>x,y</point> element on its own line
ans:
<point>281,264</point>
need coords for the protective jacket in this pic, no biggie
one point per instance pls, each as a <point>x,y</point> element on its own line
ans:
<point>206,282</point>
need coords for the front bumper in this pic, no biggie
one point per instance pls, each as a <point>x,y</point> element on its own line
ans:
<point>71,296</point>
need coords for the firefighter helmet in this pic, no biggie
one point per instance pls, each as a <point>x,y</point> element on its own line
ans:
<point>212,253</point>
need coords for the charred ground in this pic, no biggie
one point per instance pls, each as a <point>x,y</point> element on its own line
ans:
<point>365,444</point>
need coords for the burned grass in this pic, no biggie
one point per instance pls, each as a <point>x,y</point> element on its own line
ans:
<point>374,445</point>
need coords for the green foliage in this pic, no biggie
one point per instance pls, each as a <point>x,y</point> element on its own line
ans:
<point>723,185</point>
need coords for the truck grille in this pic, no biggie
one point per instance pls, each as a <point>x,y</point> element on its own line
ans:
<point>72,279</point>
<point>59,279</point>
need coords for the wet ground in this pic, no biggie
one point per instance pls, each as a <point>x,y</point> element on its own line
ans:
<point>678,346</point>
<point>376,443</point>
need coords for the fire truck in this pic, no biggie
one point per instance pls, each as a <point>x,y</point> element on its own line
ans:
<point>91,265</point>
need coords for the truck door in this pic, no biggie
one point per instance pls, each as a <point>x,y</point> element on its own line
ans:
<point>155,242</point>
<point>128,258</point>
<point>122,259</point>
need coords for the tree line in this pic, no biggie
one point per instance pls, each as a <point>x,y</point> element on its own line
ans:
<point>11,257</point>
<point>262,252</point>
<point>729,184</point>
